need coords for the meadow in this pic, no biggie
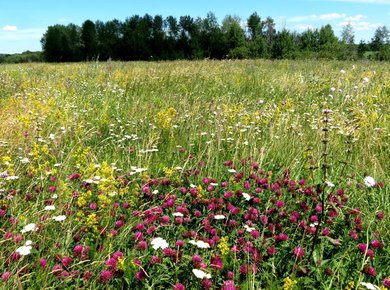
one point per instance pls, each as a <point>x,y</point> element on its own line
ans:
<point>195,175</point>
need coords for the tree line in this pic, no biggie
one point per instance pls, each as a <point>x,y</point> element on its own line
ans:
<point>155,38</point>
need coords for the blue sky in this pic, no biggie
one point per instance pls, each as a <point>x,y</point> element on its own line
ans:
<point>23,22</point>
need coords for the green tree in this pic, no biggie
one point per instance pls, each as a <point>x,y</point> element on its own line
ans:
<point>284,45</point>
<point>380,43</point>
<point>233,33</point>
<point>62,43</point>
<point>89,40</point>
<point>348,49</point>
<point>211,37</point>
<point>269,33</point>
<point>109,38</point>
<point>256,42</point>
<point>309,43</point>
<point>52,43</point>
<point>327,42</point>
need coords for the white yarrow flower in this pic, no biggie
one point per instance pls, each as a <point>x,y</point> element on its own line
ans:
<point>59,218</point>
<point>246,196</point>
<point>178,214</point>
<point>200,244</point>
<point>26,249</point>
<point>329,184</point>
<point>159,243</point>
<point>248,228</point>
<point>29,228</point>
<point>370,286</point>
<point>369,181</point>
<point>232,170</point>
<point>50,207</point>
<point>200,274</point>
<point>219,217</point>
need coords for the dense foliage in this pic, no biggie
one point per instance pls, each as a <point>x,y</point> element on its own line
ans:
<point>27,56</point>
<point>154,38</point>
<point>249,174</point>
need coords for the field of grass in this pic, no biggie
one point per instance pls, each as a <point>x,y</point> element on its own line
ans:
<point>254,174</point>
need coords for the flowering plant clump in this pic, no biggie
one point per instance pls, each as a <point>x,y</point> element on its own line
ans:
<point>194,175</point>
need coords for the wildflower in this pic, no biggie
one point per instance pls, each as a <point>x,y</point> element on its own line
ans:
<point>200,244</point>
<point>299,251</point>
<point>138,236</point>
<point>66,261</point>
<point>246,196</point>
<point>42,263</point>
<point>29,228</point>
<point>142,245</point>
<point>207,284</point>
<point>159,243</point>
<point>50,207</point>
<point>376,244</point>
<point>24,250</point>
<point>369,181</point>
<point>329,184</point>
<point>178,286</point>
<point>179,243</point>
<point>105,276</point>
<point>219,217</point>
<point>271,250</point>
<point>223,245</point>
<point>369,286</point>
<point>59,218</point>
<point>5,276</point>
<point>386,282</point>
<point>228,285</point>
<point>155,260</point>
<point>288,283</point>
<point>363,247</point>
<point>200,274</point>
<point>178,214</point>
<point>216,263</point>
<point>370,271</point>
<point>380,215</point>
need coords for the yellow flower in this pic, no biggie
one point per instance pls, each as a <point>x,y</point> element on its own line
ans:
<point>121,263</point>
<point>289,284</point>
<point>223,245</point>
<point>350,285</point>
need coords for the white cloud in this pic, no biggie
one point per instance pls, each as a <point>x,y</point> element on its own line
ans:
<point>361,25</point>
<point>22,34</point>
<point>356,18</point>
<point>315,17</point>
<point>9,28</point>
<point>332,16</point>
<point>303,27</point>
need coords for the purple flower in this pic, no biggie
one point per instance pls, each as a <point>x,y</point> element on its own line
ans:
<point>363,247</point>
<point>5,276</point>
<point>142,245</point>
<point>196,259</point>
<point>178,286</point>
<point>386,282</point>
<point>66,261</point>
<point>42,262</point>
<point>299,251</point>
<point>228,285</point>
<point>140,275</point>
<point>105,276</point>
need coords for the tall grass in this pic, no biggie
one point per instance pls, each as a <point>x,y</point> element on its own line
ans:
<point>67,118</point>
